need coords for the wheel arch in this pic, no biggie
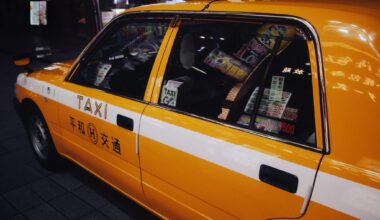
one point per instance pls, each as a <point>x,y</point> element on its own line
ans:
<point>26,105</point>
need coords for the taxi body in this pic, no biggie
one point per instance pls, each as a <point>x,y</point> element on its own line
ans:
<point>222,109</point>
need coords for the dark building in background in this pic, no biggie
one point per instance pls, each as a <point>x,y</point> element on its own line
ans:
<point>67,20</point>
<point>62,15</point>
<point>14,16</point>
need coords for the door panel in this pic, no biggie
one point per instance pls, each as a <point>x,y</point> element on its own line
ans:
<point>93,138</point>
<point>218,167</point>
<point>103,100</point>
<point>175,204</point>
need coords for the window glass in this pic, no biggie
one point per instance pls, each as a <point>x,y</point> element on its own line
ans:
<point>219,70</point>
<point>122,62</point>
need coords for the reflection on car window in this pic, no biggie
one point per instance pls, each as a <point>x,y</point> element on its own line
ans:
<point>219,70</point>
<point>121,64</point>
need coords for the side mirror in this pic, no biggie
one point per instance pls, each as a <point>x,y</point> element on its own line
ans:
<point>21,61</point>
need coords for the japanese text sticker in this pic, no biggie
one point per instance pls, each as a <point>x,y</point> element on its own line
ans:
<point>169,93</point>
<point>102,71</point>
<point>276,88</point>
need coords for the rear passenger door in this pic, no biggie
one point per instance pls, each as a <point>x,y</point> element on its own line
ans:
<point>234,127</point>
<point>105,96</point>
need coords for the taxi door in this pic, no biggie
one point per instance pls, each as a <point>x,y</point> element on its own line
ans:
<point>200,155</point>
<point>103,99</point>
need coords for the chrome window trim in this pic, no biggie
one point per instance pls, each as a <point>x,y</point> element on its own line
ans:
<point>314,37</point>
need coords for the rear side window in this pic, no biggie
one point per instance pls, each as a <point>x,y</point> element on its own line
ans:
<point>256,76</point>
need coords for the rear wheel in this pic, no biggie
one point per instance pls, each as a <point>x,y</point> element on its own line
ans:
<point>41,141</point>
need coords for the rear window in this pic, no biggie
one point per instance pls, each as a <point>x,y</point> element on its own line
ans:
<point>255,76</point>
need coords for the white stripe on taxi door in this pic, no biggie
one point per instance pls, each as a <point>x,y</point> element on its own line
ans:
<point>349,197</point>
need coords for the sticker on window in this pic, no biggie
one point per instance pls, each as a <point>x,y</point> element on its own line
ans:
<point>232,94</point>
<point>169,93</point>
<point>271,108</point>
<point>223,115</point>
<point>267,35</point>
<point>290,114</point>
<point>102,71</point>
<point>227,64</point>
<point>252,53</point>
<point>274,126</point>
<point>276,88</point>
<point>249,106</point>
<point>267,124</point>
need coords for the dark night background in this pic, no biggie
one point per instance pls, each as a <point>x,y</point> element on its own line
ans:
<point>27,190</point>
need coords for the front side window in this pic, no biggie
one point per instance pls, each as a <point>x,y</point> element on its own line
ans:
<point>252,75</point>
<point>122,62</point>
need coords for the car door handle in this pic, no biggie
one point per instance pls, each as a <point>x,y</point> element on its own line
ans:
<point>124,122</point>
<point>278,178</point>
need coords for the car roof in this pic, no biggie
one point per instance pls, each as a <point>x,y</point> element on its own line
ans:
<point>363,6</point>
<point>358,17</point>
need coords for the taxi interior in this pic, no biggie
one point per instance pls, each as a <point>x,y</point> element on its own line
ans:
<point>205,90</point>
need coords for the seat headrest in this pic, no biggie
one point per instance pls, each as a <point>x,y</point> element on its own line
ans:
<point>187,51</point>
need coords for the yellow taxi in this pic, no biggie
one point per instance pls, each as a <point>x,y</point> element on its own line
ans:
<point>222,109</point>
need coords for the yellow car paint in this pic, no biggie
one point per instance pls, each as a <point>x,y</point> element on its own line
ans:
<point>168,181</point>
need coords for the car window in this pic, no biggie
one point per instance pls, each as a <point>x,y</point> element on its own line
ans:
<point>122,62</point>
<point>256,76</point>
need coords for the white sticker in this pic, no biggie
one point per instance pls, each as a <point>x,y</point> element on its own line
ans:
<point>103,69</point>
<point>117,57</point>
<point>267,124</point>
<point>263,103</point>
<point>38,13</point>
<point>268,107</point>
<point>276,88</point>
<point>169,93</point>
<point>277,108</point>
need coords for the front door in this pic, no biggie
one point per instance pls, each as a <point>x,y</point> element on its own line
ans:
<point>104,98</point>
